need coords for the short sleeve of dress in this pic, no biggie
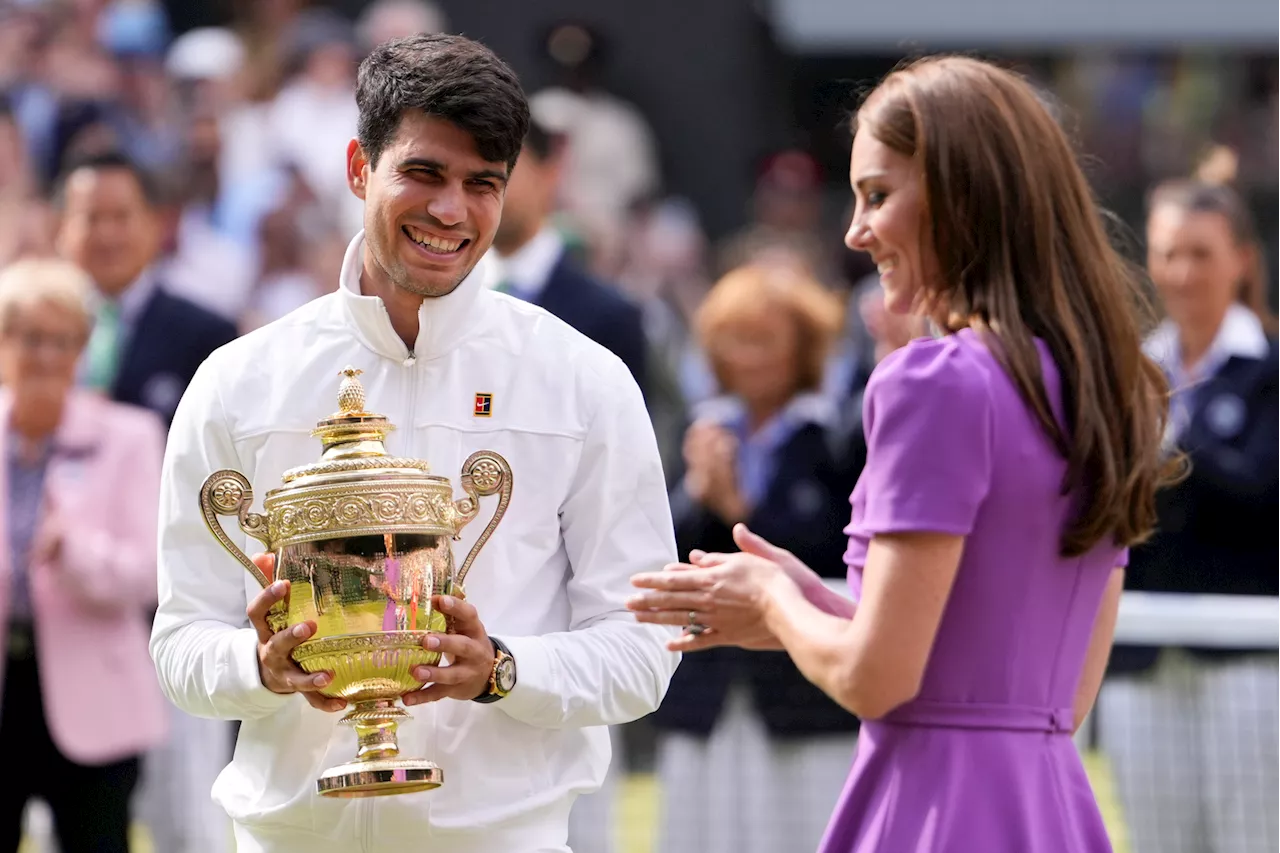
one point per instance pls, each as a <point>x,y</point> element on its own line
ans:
<point>928,416</point>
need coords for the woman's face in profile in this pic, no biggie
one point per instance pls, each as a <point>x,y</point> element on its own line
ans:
<point>888,220</point>
<point>1195,264</point>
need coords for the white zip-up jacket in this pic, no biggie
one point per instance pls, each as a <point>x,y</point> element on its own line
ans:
<point>589,508</point>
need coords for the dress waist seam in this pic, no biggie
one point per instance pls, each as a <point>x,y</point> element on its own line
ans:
<point>983,716</point>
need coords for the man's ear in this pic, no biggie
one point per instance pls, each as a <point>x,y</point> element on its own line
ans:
<point>358,169</point>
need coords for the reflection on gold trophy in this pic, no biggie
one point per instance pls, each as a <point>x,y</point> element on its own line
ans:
<point>364,540</point>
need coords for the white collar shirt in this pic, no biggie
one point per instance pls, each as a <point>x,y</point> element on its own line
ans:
<point>525,272</point>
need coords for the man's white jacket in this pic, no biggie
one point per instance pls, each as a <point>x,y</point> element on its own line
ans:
<point>589,509</point>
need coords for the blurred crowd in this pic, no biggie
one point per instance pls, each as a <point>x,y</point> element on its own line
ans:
<point>162,193</point>
<point>1144,115</point>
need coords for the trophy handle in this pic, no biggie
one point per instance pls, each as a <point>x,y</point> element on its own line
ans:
<point>228,492</point>
<point>484,473</point>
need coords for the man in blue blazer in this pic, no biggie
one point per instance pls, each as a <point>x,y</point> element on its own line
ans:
<point>146,343</point>
<point>537,268</point>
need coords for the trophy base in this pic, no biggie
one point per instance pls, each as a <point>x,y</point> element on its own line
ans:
<point>379,778</point>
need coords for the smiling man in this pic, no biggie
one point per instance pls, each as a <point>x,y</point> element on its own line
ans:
<point>544,656</point>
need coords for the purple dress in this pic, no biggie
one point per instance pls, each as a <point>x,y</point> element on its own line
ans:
<point>982,761</point>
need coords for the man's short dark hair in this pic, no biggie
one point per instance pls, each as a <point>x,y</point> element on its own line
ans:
<point>444,76</point>
<point>109,161</point>
<point>542,142</point>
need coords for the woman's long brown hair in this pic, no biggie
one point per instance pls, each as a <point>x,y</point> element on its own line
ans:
<point>1023,253</point>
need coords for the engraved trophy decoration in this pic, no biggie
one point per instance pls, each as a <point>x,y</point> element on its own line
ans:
<point>364,540</point>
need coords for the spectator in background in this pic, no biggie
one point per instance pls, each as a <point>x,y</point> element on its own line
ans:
<point>262,27</point>
<point>751,755</point>
<point>231,183</point>
<point>69,86</point>
<point>26,226</point>
<point>204,65</point>
<point>611,158</point>
<point>314,115</point>
<point>534,266</point>
<point>135,34</point>
<point>1192,734</point>
<point>386,20</point>
<point>288,277</point>
<point>202,259</point>
<point>79,490</point>
<point>664,269</point>
<point>21,28</point>
<point>146,343</point>
<point>145,347</point>
<point>697,378</point>
<point>786,216</point>
<point>235,178</point>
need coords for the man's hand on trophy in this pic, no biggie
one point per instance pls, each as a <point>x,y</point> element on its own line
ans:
<point>468,650</point>
<point>276,667</point>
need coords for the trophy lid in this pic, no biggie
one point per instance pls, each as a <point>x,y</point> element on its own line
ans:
<point>354,439</point>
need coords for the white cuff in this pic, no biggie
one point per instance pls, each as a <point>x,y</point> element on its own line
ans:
<point>242,680</point>
<point>536,699</point>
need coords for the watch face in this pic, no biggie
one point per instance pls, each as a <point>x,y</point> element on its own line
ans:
<point>505,676</point>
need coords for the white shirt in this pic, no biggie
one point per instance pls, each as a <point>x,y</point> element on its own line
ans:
<point>527,270</point>
<point>134,299</point>
<point>1239,336</point>
<point>589,508</point>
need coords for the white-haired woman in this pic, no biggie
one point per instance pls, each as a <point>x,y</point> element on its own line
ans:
<point>79,492</point>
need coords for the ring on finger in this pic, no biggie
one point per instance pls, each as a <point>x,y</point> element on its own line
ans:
<point>695,627</point>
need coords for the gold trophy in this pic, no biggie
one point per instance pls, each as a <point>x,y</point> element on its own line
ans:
<point>364,540</point>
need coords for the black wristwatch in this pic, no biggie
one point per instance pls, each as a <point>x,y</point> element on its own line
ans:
<point>502,680</point>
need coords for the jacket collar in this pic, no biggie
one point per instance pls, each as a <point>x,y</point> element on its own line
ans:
<point>1240,336</point>
<point>443,321</point>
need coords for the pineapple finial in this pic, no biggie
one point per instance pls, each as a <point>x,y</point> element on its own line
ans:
<point>351,392</point>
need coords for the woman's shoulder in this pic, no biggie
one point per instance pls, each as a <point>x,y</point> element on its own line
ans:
<point>958,367</point>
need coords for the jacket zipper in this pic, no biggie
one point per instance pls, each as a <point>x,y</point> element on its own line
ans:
<point>365,819</point>
<point>410,427</point>
<point>410,419</point>
<point>365,808</point>
<point>409,360</point>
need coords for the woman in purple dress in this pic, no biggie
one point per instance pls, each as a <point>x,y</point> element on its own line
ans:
<point>1011,462</point>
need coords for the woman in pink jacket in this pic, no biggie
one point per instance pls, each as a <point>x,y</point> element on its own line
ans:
<point>79,492</point>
